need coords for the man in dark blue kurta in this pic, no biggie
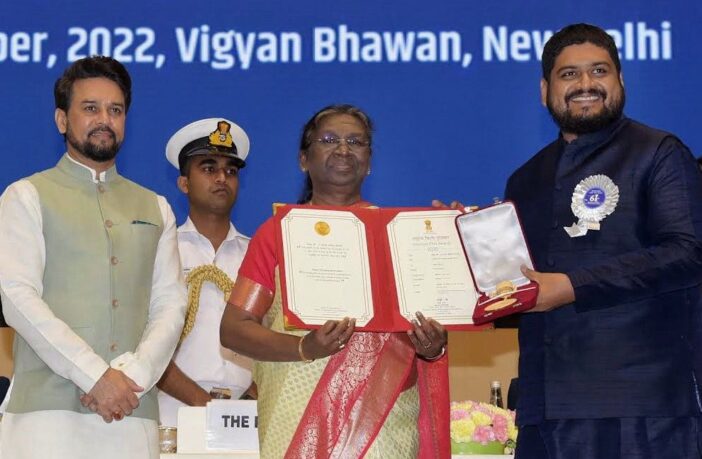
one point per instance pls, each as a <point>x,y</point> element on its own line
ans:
<point>610,357</point>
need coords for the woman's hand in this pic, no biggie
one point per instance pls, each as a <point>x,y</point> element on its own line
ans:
<point>428,336</point>
<point>329,339</point>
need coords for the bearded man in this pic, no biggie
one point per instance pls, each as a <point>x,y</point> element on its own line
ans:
<point>91,282</point>
<point>609,362</point>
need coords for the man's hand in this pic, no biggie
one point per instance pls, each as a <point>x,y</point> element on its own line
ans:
<point>181,387</point>
<point>555,289</point>
<point>113,396</point>
<point>454,205</point>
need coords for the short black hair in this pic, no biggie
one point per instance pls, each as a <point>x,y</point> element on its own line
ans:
<point>184,165</point>
<point>92,67</point>
<point>577,34</point>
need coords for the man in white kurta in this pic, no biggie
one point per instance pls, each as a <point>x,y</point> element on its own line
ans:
<point>91,283</point>
<point>209,154</point>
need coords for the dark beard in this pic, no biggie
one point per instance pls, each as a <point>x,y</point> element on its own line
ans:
<point>92,151</point>
<point>584,124</point>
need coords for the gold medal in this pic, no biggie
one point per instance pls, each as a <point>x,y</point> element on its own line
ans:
<point>504,288</point>
<point>322,228</point>
<point>503,303</point>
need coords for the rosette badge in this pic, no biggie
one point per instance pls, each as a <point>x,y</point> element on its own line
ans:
<point>594,198</point>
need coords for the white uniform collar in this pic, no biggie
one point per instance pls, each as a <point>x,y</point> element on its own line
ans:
<point>189,227</point>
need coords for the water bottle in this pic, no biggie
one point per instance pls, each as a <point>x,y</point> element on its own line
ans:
<point>496,394</point>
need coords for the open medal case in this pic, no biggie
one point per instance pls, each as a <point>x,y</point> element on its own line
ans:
<point>495,247</point>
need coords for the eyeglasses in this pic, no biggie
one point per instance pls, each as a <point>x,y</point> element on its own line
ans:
<point>331,142</point>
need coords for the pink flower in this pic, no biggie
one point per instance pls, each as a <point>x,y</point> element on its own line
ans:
<point>482,423</point>
<point>500,427</point>
<point>499,421</point>
<point>483,435</point>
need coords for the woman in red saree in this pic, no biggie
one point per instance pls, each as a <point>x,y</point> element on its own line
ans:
<point>334,392</point>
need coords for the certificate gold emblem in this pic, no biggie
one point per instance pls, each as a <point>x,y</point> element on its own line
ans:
<point>427,226</point>
<point>503,303</point>
<point>322,228</point>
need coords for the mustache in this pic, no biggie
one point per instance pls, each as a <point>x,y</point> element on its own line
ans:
<point>586,92</point>
<point>103,129</point>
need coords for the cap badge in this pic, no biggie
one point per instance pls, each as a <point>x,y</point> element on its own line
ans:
<point>221,137</point>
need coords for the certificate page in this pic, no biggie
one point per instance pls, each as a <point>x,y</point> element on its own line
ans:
<point>431,272</point>
<point>327,272</point>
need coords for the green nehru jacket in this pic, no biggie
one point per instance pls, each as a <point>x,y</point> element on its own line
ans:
<point>101,241</point>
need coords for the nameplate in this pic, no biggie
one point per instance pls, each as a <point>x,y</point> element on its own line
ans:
<point>232,425</point>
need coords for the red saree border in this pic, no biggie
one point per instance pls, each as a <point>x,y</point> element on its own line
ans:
<point>357,391</point>
<point>434,409</point>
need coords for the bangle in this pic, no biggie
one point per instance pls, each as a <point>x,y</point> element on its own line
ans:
<point>302,354</point>
<point>436,357</point>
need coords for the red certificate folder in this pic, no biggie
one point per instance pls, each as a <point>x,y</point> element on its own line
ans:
<point>385,310</point>
<point>495,247</point>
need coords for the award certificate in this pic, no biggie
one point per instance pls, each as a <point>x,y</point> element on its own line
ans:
<point>431,273</point>
<point>326,266</point>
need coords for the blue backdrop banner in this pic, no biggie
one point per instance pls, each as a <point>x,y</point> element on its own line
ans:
<point>453,86</point>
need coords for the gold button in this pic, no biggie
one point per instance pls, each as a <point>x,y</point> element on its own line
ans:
<point>115,303</point>
<point>108,223</point>
<point>113,347</point>
<point>101,188</point>
<point>114,260</point>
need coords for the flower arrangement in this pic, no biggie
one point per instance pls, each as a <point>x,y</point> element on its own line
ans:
<point>480,428</point>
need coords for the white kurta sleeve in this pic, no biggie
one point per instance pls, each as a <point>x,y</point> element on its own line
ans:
<point>166,312</point>
<point>21,273</point>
